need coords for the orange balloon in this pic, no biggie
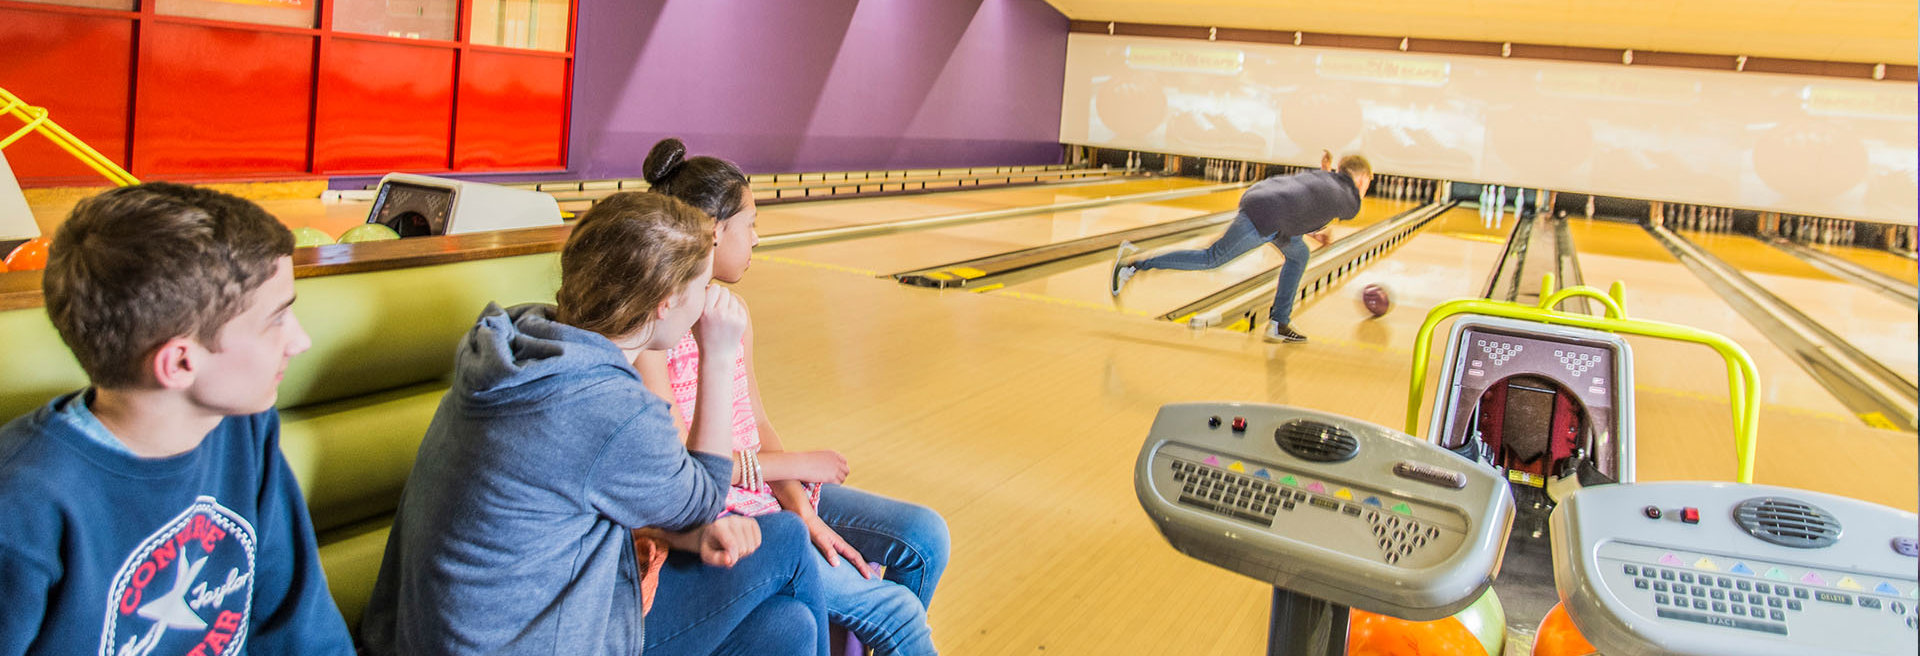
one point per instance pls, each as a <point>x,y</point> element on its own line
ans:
<point>1559,637</point>
<point>1370,634</point>
<point>30,256</point>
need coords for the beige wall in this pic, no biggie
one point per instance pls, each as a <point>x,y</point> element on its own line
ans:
<point>1820,146</point>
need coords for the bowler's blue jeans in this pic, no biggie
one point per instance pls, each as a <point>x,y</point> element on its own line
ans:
<point>1239,238</point>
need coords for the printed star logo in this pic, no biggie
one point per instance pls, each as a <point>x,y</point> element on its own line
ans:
<point>171,608</point>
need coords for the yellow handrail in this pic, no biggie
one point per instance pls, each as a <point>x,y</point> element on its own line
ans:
<point>36,120</point>
<point>1743,380</point>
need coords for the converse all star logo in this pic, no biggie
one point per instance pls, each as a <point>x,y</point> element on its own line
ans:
<point>186,590</point>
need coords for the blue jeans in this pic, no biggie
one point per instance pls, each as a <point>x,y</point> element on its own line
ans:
<point>768,603</point>
<point>910,541</point>
<point>1239,238</point>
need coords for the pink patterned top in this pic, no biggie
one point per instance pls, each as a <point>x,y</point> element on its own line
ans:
<point>683,372</point>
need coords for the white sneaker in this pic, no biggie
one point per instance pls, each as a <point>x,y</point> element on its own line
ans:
<point>1123,269</point>
<point>1278,333</point>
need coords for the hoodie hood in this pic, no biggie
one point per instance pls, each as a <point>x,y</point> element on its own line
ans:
<point>520,353</point>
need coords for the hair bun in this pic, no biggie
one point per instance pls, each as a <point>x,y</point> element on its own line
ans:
<point>665,158</point>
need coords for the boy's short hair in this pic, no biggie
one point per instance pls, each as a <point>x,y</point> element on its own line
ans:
<point>1355,166</point>
<point>136,266</point>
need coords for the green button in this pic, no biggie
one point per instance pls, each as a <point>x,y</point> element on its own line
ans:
<point>1289,480</point>
<point>1777,574</point>
<point>1402,509</point>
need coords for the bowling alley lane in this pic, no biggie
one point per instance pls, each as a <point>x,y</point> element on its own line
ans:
<point>1877,325</point>
<point>906,251</point>
<point>1878,260</point>
<point>1448,260</point>
<point>1660,288</point>
<point>1153,293</point>
<point>779,219</point>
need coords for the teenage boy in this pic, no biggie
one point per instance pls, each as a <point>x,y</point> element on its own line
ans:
<point>152,512</point>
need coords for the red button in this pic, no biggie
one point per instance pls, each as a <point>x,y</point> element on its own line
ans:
<point>1239,424</point>
<point>1690,515</point>
<point>1652,512</point>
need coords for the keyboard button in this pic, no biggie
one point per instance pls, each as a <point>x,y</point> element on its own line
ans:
<point>1632,570</point>
<point>1660,599</point>
<point>1640,583</point>
<point>1776,615</point>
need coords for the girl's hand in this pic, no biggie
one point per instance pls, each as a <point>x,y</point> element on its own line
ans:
<point>822,467</point>
<point>729,539</point>
<point>723,321</point>
<point>833,547</point>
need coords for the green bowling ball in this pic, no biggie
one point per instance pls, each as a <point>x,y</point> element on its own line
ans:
<point>1486,620</point>
<point>304,237</point>
<point>368,232</point>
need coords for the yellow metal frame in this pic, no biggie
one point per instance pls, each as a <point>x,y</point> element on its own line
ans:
<point>36,120</point>
<point>1743,380</point>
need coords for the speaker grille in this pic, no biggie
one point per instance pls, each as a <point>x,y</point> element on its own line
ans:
<point>1787,522</point>
<point>1316,441</point>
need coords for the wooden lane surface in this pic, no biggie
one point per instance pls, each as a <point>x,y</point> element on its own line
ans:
<point>1662,289</point>
<point>1879,326</point>
<point>1893,265</point>
<point>916,249</point>
<point>1153,293</point>
<point>1020,422</point>
<point>780,219</point>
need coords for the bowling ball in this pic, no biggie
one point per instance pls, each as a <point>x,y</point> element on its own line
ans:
<point>30,256</point>
<point>1810,160</point>
<point>1486,619</point>
<point>1131,104</point>
<point>304,237</point>
<point>1376,299</point>
<point>1558,636</point>
<point>368,232</point>
<point>1369,634</point>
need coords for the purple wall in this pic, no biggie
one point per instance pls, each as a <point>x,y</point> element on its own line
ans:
<point>818,85</point>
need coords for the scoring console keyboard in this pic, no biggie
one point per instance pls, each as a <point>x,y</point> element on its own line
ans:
<point>1326,506</point>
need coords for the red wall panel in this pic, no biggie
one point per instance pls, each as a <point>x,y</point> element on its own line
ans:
<point>217,101</point>
<point>513,112</point>
<point>78,67</point>
<point>384,107</point>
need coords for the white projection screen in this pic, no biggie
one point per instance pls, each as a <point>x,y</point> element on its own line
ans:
<point>1799,145</point>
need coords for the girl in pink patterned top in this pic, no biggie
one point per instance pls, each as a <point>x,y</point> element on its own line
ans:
<point>887,613</point>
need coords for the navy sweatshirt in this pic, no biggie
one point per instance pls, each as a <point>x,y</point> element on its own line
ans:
<point>207,552</point>
<point>1294,205</point>
<point>513,534</point>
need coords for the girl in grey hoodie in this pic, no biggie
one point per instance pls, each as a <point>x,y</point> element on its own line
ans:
<point>515,534</point>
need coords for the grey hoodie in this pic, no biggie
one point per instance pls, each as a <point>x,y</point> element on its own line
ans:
<point>513,532</point>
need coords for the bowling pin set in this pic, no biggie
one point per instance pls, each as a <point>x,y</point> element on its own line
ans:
<point>1816,230</point>
<point>1398,188</point>
<point>1698,218</point>
<point>1493,203</point>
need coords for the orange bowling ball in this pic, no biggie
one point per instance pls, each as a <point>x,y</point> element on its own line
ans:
<point>1369,634</point>
<point>1559,637</point>
<point>30,256</point>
